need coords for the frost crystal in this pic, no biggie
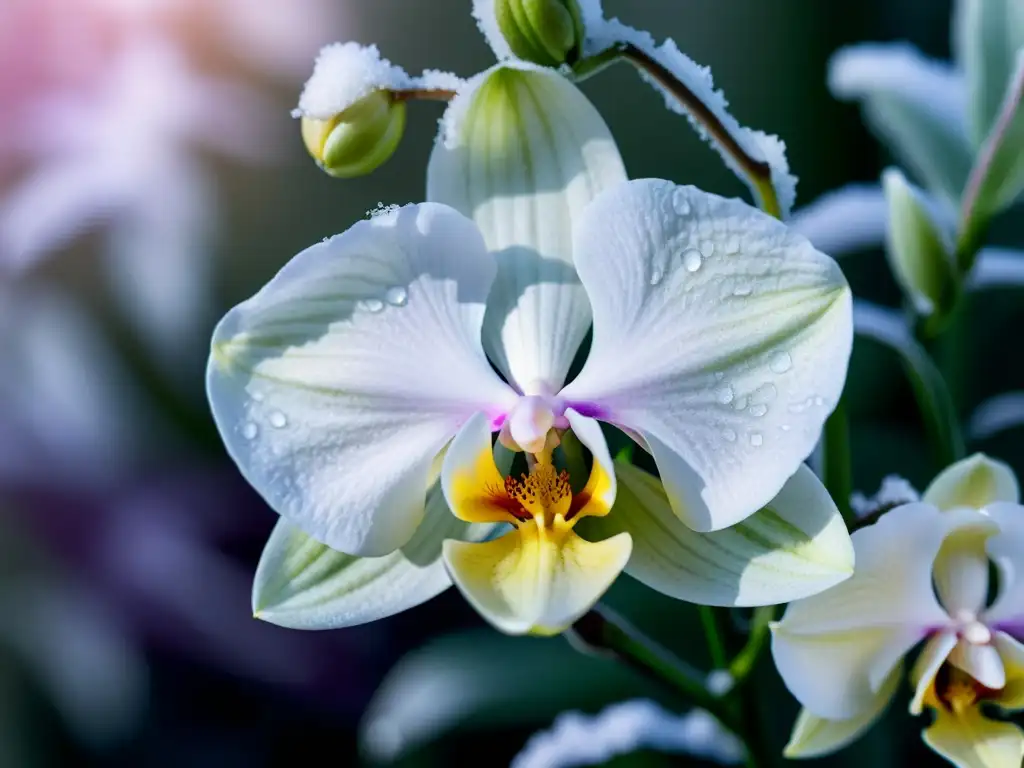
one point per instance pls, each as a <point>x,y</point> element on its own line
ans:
<point>895,492</point>
<point>346,72</point>
<point>487,21</point>
<point>576,739</point>
<point>604,33</point>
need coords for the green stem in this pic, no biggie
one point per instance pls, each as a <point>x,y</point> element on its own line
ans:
<point>760,630</point>
<point>837,469</point>
<point>601,631</point>
<point>714,635</point>
<point>758,172</point>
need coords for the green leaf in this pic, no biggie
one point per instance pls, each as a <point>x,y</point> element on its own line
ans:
<point>997,178</point>
<point>987,34</point>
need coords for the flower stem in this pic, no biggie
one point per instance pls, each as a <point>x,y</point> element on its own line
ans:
<point>602,632</point>
<point>745,661</point>
<point>837,470</point>
<point>714,635</point>
<point>758,172</point>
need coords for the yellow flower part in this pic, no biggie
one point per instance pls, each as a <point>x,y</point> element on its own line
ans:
<point>540,577</point>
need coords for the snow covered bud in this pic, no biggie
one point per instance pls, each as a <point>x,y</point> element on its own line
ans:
<point>359,139</point>
<point>545,32</point>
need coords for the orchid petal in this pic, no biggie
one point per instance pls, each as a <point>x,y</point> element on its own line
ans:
<point>794,547</point>
<point>1011,652</point>
<point>927,665</point>
<point>1006,550</point>
<point>472,482</point>
<point>975,482</point>
<point>834,650</point>
<point>915,104</point>
<point>522,151</point>
<point>960,573</point>
<point>815,736</point>
<point>303,584</point>
<point>981,662</point>
<point>719,336</point>
<point>601,488</point>
<point>338,383</point>
<point>533,579</point>
<point>968,739</point>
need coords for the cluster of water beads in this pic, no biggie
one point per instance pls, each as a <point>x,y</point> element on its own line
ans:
<point>395,296</point>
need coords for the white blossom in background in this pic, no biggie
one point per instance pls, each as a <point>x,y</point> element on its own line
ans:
<point>922,575</point>
<point>894,491</point>
<point>576,739</point>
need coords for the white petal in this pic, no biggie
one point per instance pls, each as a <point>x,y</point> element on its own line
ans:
<point>982,662</point>
<point>975,482</point>
<point>338,383</point>
<point>1006,549</point>
<point>927,664</point>
<point>815,736</point>
<point>719,335</point>
<point>845,220</point>
<point>960,572</point>
<point>796,546</point>
<point>303,584</point>
<point>522,152</point>
<point>1011,651</point>
<point>997,414</point>
<point>917,105</point>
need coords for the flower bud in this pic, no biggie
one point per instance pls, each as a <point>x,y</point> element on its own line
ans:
<point>545,32</point>
<point>359,139</point>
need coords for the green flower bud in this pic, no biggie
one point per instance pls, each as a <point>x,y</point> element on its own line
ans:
<point>545,32</point>
<point>358,140</point>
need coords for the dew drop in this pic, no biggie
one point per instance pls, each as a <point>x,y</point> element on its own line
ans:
<point>719,375</point>
<point>729,435</point>
<point>250,430</point>
<point>396,296</point>
<point>785,427</point>
<point>692,260</point>
<point>680,202</point>
<point>741,403</point>
<point>780,362</point>
<point>758,410</point>
<point>743,289</point>
<point>732,245</point>
<point>372,305</point>
<point>707,248</point>
<point>724,394</point>
<point>278,420</point>
<point>257,396</point>
<point>656,275</point>
<point>756,439</point>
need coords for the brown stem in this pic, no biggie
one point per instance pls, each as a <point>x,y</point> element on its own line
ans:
<point>423,94</point>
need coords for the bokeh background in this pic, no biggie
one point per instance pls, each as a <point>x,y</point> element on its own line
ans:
<point>151,177</point>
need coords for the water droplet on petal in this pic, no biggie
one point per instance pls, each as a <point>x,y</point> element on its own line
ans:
<point>719,375</point>
<point>257,396</point>
<point>785,427</point>
<point>396,296</point>
<point>743,289</point>
<point>656,275</point>
<point>278,420</point>
<point>707,248</point>
<point>729,435</point>
<point>756,439</point>
<point>732,245</point>
<point>819,401</point>
<point>724,394</point>
<point>741,403</point>
<point>780,362</point>
<point>692,260</point>
<point>758,410</point>
<point>250,430</point>
<point>372,305</point>
<point>680,202</point>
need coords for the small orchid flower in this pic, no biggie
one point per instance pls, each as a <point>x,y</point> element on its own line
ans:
<point>720,340</point>
<point>922,575</point>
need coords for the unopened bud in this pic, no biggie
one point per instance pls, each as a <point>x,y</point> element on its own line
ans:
<point>358,140</point>
<point>545,32</point>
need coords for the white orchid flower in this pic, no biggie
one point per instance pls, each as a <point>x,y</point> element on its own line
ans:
<point>922,575</point>
<point>720,340</point>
